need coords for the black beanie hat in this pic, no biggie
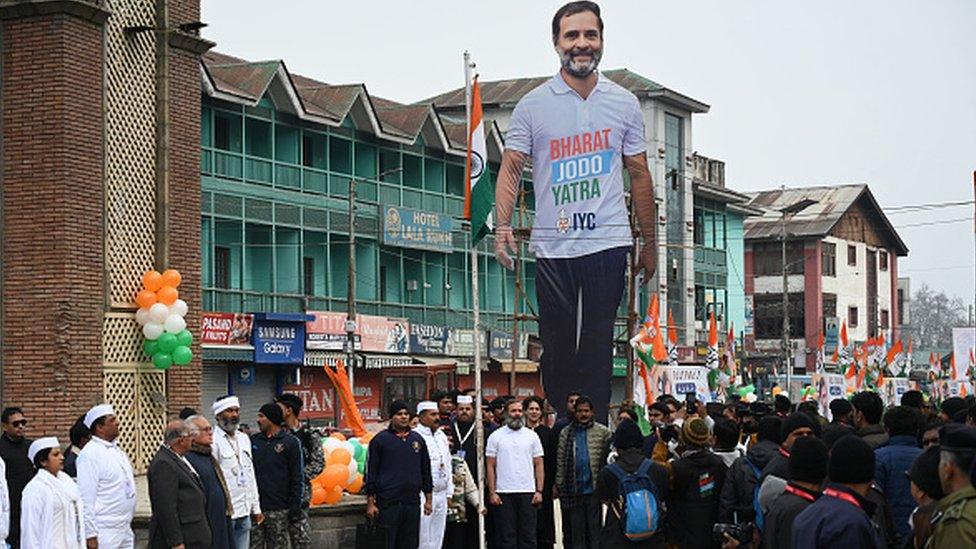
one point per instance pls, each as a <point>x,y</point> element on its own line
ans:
<point>396,406</point>
<point>290,400</point>
<point>808,460</point>
<point>851,461</point>
<point>797,420</point>
<point>273,412</point>
<point>925,472</point>
<point>627,435</point>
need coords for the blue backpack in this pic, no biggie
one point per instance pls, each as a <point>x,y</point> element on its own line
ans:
<point>641,514</point>
<point>760,520</point>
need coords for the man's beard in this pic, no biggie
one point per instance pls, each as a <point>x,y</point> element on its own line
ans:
<point>228,425</point>
<point>577,69</point>
<point>514,423</point>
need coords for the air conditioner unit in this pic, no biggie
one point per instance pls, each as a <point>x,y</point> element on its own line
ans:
<point>411,285</point>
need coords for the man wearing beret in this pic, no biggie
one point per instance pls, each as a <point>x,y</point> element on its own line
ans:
<point>397,472</point>
<point>955,520</point>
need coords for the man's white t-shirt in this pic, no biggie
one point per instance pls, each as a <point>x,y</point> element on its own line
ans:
<point>513,452</point>
<point>577,147</point>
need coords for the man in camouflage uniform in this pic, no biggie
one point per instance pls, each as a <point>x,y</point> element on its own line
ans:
<point>313,462</point>
<point>955,520</point>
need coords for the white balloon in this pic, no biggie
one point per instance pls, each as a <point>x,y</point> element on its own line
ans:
<point>174,324</point>
<point>179,307</point>
<point>349,448</point>
<point>152,330</point>
<point>353,471</point>
<point>331,444</point>
<point>142,316</point>
<point>158,313</point>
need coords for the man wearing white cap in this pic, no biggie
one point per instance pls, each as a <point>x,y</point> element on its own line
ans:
<point>232,449</point>
<point>52,507</point>
<point>439,449</point>
<point>106,483</point>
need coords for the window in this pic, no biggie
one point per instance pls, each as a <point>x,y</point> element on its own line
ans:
<point>883,260</point>
<point>768,258</point>
<point>830,305</point>
<point>852,255</point>
<point>221,267</point>
<point>828,257</point>
<point>884,319</point>
<point>901,305</point>
<point>410,388</point>
<point>308,275</point>
<point>768,315</point>
<point>227,132</point>
<point>852,317</point>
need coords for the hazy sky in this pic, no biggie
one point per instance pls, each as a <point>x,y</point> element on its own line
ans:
<point>802,93</point>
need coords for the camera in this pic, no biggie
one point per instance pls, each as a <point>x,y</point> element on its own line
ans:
<point>739,532</point>
<point>669,433</point>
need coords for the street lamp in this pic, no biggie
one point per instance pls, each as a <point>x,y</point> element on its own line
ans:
<point>786,212</point>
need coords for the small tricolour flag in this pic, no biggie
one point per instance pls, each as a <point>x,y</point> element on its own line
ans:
<point>479,197</point>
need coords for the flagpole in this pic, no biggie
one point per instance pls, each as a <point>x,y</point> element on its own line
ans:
<point>476,306</point>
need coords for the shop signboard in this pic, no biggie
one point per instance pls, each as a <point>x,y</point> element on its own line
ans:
<point>831,334</point>
<point>317,393</point>
<point>408,228</point>
<point>279,338</point>
<point>500,345</point>
<point>460,342</point>
<point>428,339</point>
<point>327,332</point>
<point>226,329</point>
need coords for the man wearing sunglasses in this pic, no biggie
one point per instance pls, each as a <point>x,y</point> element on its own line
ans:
<point>20,470</point>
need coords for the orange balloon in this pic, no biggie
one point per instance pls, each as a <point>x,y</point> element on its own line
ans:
<point>333,496</point>
<point>171,277</point>
<point>339,456</point>
<point>318,495</point>
<point>338,435</point>
<point>335,475</point>
<point>356,485</point>
<point>168,295</point>
<point>146,299</point>
<point>152,280</point>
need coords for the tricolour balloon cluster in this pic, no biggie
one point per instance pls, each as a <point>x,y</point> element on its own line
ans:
<point>161,314</point>
<point>345,465</point>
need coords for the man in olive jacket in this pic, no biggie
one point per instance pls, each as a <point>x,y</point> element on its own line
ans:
<point>581,455</point>
<point>179,518</point>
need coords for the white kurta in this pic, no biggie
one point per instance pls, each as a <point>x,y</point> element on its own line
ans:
<point>4,503</point>
<point>234,456</point>
<point>51,513</point>
<point>108,490</point>
<point>432,526</point>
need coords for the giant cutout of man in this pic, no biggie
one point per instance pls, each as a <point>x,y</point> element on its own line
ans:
<point>581,130</point>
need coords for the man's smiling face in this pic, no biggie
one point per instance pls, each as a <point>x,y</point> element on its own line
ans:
<point>580,43</point>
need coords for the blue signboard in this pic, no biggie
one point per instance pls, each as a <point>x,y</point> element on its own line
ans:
<point>426,339</point>
<point>407,228</point>
<point>279,338</point>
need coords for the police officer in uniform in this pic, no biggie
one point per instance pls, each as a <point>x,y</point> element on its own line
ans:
<point>955,520</point>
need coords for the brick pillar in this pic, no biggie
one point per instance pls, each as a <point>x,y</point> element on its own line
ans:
<point>52,250</point>
<point>812,299</point>
<point>184,382</point>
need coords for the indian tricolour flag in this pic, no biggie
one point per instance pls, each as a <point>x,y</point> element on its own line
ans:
<point>479,197</point>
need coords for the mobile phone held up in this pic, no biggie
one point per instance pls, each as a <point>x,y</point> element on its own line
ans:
<point>691,404</point>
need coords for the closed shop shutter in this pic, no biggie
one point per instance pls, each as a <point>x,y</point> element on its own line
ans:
<point>260,392</point>
<point>214,385</point>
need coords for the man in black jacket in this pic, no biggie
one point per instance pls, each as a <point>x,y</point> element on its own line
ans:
<point>217,498</point>
<point>736,501</point>
<point>697,478</point>
<point>20,470</point>
<point>277,458</point>
<point>313,462</point>
<point>808,469</point>
<point>176,494</point>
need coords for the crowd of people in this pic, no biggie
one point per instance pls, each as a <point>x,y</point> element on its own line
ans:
<point>208,487</point>
<point>678,474</point>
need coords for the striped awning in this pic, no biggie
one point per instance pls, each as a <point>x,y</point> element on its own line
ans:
<point>228,354</point>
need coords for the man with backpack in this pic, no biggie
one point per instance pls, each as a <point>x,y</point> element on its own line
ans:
<point>738,492</point>
<point>632,487</point>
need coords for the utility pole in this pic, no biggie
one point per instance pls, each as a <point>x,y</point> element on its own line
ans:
<point>792,209</point>
<point>350,346</point>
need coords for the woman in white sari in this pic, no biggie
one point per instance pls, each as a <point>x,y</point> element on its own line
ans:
<point>51,508</point>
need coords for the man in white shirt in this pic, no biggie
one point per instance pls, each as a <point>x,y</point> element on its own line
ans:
<point>439,449</point>
<point>232,449</point>
<point>108,488</point>
<point>515,478</point>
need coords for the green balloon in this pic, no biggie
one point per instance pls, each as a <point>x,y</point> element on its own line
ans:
<point>361,467</point>
<point>166,343</point>
<point>150,347</point>
<point>184,338</point>
<point>162,360</point>
<point>182,355</point>
<point>360,452</point>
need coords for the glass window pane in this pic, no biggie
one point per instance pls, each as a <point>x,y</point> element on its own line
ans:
<point>258,138</point>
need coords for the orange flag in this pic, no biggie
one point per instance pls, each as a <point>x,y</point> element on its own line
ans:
<point>952,366</point>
